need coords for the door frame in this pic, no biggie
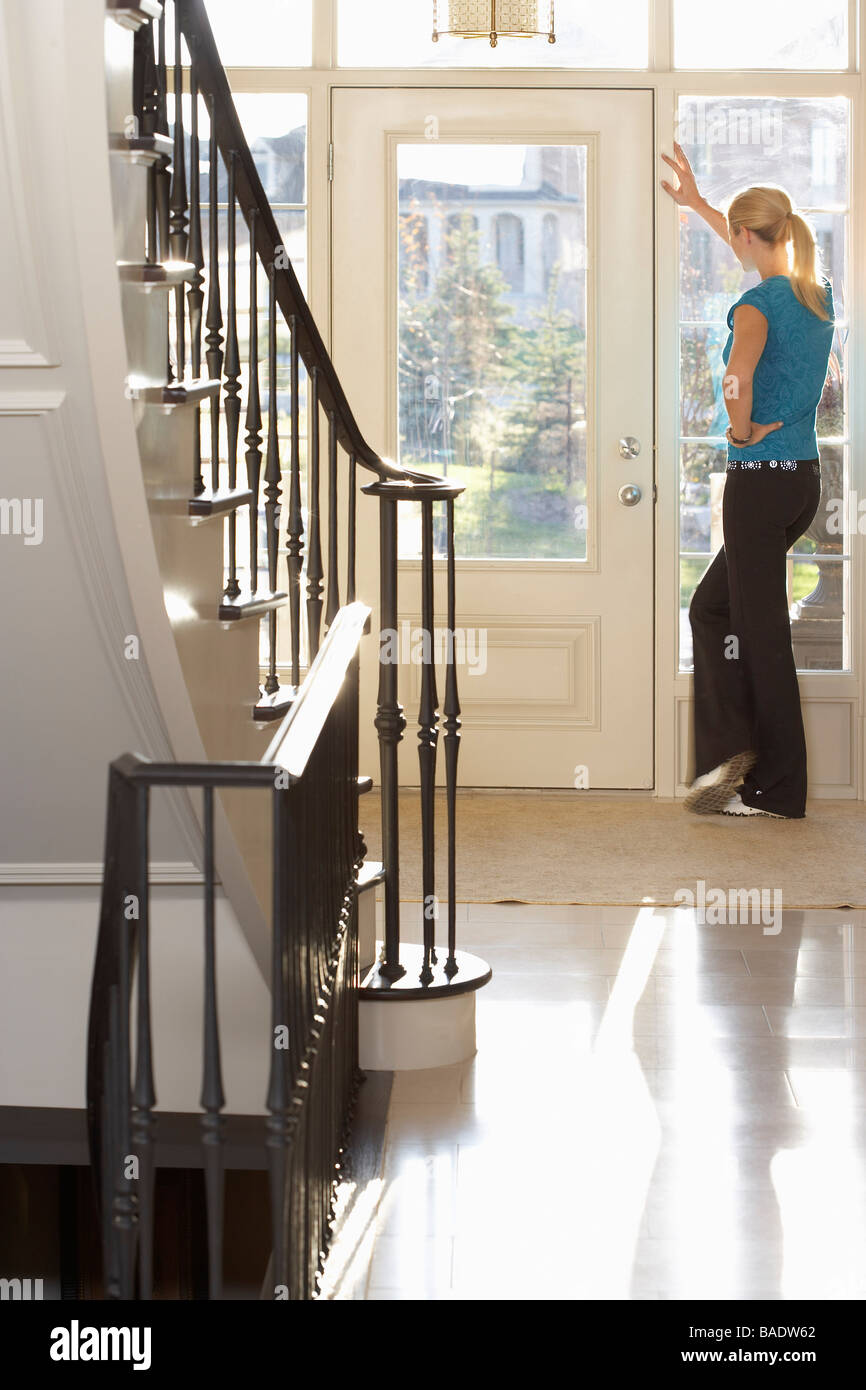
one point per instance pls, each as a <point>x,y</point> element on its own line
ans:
<point>646,779</point>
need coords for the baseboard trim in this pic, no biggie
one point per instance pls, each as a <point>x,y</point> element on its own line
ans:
<point>57,875</point>
<point>48,1134</point>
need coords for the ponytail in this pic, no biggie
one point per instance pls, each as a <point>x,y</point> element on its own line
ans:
<point>804,276</point>
<point>766,210</point>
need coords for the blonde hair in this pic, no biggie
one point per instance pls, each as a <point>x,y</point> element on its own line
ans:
<point>766,210</point>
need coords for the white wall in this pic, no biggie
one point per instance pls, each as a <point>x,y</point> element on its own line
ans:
<point>70,700</point>
<point>47,940</point>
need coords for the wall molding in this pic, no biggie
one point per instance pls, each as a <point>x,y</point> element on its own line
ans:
<point>16,352</point>
<point>26,185</point>
<point>180,874</point>
<point>29,402</point>
<point>106,584</point>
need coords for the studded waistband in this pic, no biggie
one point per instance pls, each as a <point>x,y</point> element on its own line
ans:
<point>786,465</point>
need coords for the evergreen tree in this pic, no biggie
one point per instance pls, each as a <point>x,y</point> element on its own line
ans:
<point>549,374</point>
<point>460,335</point>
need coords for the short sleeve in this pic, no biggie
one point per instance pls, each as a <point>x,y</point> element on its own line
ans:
<point>758,296</point>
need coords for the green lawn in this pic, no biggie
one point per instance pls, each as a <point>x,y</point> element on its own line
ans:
<point>514,515</point>
<point>805,579</point>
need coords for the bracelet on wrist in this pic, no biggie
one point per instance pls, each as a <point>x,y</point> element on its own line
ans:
<point>740,442</point>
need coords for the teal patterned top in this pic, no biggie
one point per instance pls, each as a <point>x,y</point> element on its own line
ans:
<point>789,378</point>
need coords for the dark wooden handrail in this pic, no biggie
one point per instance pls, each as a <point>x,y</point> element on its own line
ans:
<point>313,985</point>
<point>213,84</point>
<point>294,741</point>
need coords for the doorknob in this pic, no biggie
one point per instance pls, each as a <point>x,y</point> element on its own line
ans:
<point>630,495</point>
<point>629,447</point>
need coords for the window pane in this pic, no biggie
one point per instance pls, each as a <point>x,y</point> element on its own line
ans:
<point>702,479</point>
<point>392,33</point>
<point>492,341</point>
<point>276,131</point>
<point>801,143</point>
<point>820,571</point>
<point>830,229</point>
<point>257,33</point>
<point>275,127</point>
<point>809,34</point>
<point>701,380</point>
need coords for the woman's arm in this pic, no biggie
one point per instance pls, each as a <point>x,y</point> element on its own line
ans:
<point>687,194</point>
<point>750,338</point>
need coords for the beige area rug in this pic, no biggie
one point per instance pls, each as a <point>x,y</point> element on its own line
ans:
<point>615,850</point>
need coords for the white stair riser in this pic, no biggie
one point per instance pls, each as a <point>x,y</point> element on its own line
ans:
<point>366,928</point>
<point>406,1035</point>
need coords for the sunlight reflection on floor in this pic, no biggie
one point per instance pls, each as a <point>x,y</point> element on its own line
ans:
<point>657,1109</point>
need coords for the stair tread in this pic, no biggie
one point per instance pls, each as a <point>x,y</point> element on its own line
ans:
<point>190,391</point>
<point>273,707</point>
<point>248,605</point>
<point>133,16</point>
<point>371,871</point>
<point>141,149</point>
<point>156,273</point>
<point>225,499</point>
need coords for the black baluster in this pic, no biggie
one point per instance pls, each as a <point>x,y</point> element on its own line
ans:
<point>332,604</point>
<point>195,294</point>
<point>428,735</point>
<point>114,1189</point>
<point>306,971</point>
<point>178,202</point>
<point>144,1094</point>
<point>123,1204</point>
<point>315,573</point>
<point>142,63</point>
<point>145,106</point>
<point>212,1097</point>
<point>350,559</point>
<point>151,253</point>
<point>295,528</point>
<point>253,421</point>
<point>233,386</point>
<point>162,178</point>
<point>451,745</point>
<point>278,1124</point>
<point>107,1154</point>
<point>214,320</point>
<point>272,482</point>
<point>389,724</point>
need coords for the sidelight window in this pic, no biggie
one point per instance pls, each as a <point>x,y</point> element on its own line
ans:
<point>801,143</point>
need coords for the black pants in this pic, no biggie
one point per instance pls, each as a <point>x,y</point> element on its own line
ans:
<point>746,694</point>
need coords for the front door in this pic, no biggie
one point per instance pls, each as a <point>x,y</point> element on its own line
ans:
<point>493,322</point>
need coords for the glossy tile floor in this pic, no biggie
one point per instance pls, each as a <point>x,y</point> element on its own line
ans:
<point>657,1109</point>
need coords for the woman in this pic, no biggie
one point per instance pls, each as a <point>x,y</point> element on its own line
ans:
<point>750,748</point>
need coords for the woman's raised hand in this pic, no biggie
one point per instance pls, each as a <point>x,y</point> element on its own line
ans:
<point>686,194</point>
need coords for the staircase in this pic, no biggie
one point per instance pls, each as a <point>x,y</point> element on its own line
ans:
<point>194,235</point>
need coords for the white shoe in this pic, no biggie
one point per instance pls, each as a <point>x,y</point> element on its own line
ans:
<point>737,807</point>
<point>713,790</point>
